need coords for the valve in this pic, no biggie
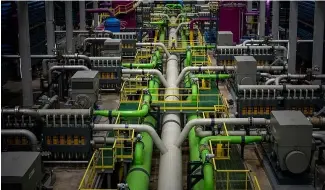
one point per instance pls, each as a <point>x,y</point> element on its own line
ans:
<point>208,157</point>
<point>139,137</point>
<point>122,186</point>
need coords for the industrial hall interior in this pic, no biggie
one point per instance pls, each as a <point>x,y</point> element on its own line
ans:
<point>163,95</point>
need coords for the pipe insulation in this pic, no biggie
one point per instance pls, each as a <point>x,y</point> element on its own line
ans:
<point>235,121</point>
<point>21,132</point>
<point>170,167</point>
<point>139,128</point>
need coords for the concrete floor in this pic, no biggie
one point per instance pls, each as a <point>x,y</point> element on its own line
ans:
<point>67,178</point>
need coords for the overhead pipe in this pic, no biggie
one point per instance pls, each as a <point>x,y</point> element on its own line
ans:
<point>155,58</point>
<point>65,67</point>
<point>147,71</point>
<point>155,44</point>
<point>41,112</point>
<point>137,127</point>
<point>235,121</point>
<point>280,87</point>
<point>21,132</point>
<point>273,41</point>
<point>212,76</point>
<point>201,133</point>
<point>181,25</point>
<point>223,68</point>
<point>295,76</point>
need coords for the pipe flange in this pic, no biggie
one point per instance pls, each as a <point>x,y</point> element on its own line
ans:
<point>16,110</point>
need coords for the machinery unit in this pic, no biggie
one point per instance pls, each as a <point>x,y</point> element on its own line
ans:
<point>112,48</point>
<point>292,140</point>
<point>85,88</point>
<point>245,70</point>
<point>21,170</point>
<point>225,38</point>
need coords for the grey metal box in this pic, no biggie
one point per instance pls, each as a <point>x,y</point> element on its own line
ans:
<point>85,83</point>
<point>21,170</point>
<point>225,38</point>
<point>246,68</point>
<point>292,133</point>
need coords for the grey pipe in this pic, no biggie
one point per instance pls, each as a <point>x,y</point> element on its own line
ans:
<point>21,132</point>
<point>103,140</point>
<point>69,27</point>
<point>201,133</point>
<point>270,81</point>
<point>295,76</point>
<point>87,40</point>
<point>147,71</point>
<point>140,128</point>
<point>319,136</point>
<point>41,112</point>
<point>222,68</point>
<point>50,37</point>
<point>66,162</point>
<point>75,56</point>
<point>236,121</point>
<point>170,165</point>
<point>65,67</point>
<point>82,15</point>
<point>279,87</point>
<point>317,121</point>
<point>155,44</point>
<point>273,41</point>
<point>55,98</point>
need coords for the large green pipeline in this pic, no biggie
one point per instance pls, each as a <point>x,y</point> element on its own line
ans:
<point>155,59</point>
<point>212,76</point>
<point>207,165</point>
<point>158,22</point>
<point>188,59</point>
<point>138,177</point>
<point>162,35</point>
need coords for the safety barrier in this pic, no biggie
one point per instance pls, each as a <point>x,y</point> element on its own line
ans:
<point>222,150</point>
<point>123,144</point>
<point>233,179</point>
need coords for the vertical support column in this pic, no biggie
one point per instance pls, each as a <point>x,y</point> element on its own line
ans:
<point>275,19</point>
<point>50,37</point>
<point>24,50</point>
<point>261,30</point>
<point>293,26</point>
<point>318,43</point>
<point>82,15</point>
<point>250,18</point>
<point>95,5</point>
<point>69,27</point>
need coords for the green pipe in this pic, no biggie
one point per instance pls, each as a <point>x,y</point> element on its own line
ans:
<point>194,149</point>
<point>162,35</point>
<point>158,22</point>
<point>134,113</point>
<point>138,177</point>
<point>188,59</point>
<point>174,6</point>
<point>203,47</point>
<point>207,165</point>
<point>154,61</point>
<point>184,42</point>
<point>138,153</point>
<point>212,76</point>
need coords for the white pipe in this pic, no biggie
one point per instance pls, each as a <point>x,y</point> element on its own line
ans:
<point>223,68</point>
<point>279,87</point>
<point>201,133</point>
<point>147,71</point>
<point>180,25</point>
<point>270,81</point>
<point>170,167</point>
<point>236,121</point>
<point>21,132</point>
<point>155,44</point>
<point>272,41</point>
<point>139,128</point>
<point>65,67</point>
<point>279,78</point>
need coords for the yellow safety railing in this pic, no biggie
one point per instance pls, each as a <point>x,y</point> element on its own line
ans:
<point>103,158</point>
<point>222,150</point>
<point>231,177</point>
<point>256,183</point>
<point>124,139</point>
